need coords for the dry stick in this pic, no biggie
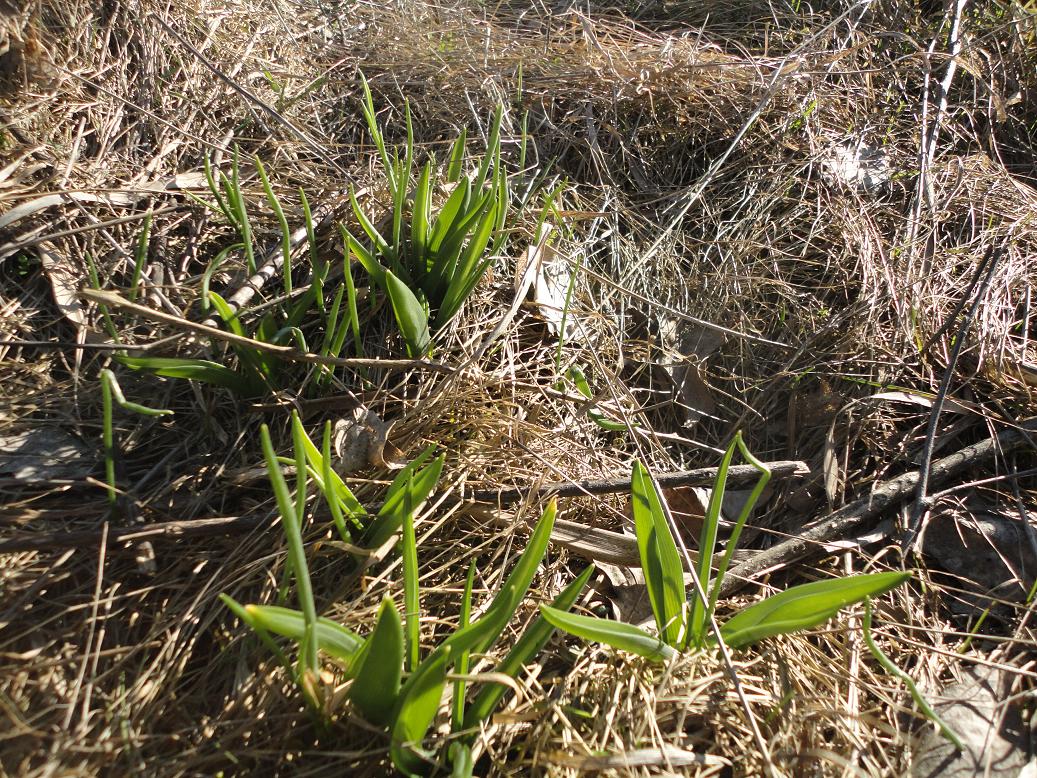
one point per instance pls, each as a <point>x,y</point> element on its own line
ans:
<point>284,352</point>
<point>922,501</point>
<point>611,546</point>
<point>738,475</point>
<point>851,518</point>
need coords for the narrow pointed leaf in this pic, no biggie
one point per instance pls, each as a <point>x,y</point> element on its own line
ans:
<point>419,223</point>
<point>373,267</point>
<point>332,638</point>
<point>453,172</point>
<point>411,600</point>
<point>416,708</point>
<point>525,649</point>
<point>411,316</point>
<point>192,369</point>
<point>408,496</point>
<point>804,606</point>
<point>517,583</point>
<point>625,637</point>
<point>378,672</point>
<point>664,574</point>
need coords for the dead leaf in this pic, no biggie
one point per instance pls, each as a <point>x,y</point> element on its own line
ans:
<point>830,466</point>
<point>363,441</point>
<point>550,287</point>
<point>994,734</point>
<point>65,283</point>
<point>662,756</point>
<point>44,454</point>
<point>685,348</point>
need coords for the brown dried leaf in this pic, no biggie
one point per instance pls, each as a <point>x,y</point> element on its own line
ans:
<point>363,441</point>
<point>65,282</point>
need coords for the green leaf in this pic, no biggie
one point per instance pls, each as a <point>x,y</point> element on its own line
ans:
<point>191,369</point>
<point>416,708</point>
<point>411,601</point>
<point>332,638</point>
<point>380,244</point>
<point>411,316</point>
<point>408,492</point>
<point>664,574</point>
<point>461,762</point>
<point>419,223</point>
<point>526,647</point>
<point>461,666</point>
<point>321,471</point>
<point>452,209</point>
<point>373,267</point>
<point>517,583</point>
<point>379,670</point>
<point>469,269</point>
<point>804,606</point>
<point>625,637</point>
<point>293,534</point>
<point>453,171</point>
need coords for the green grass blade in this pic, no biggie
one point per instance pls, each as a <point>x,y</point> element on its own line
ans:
<point>453,172</point>
<point>517,583</point>
<point>372,126</point>
<point>409,491</point>
<point>416,707</point>
<point>492,149</point>
<point>379,243</point>
<point>455,208</point>
<point>461,667</point>
<point>462,765</point>
<point>411,316</point>
<point>411,596</point>
<point>321,465</point>
<point>286,234</point>
<point>526,647</point>
<point>332,638</point>
<point>241,611</point>
<point>331,495</point>
<point>318,268</point>
<point>916,693</point>
<point>351,309</point>
<point>296,551</point>
<point>660,560</point>
<point>379,670</point>
<point>192,369</point>
<point>210,179</point>
<point>419,224</point>
<point>373,267</point>
<point>625,637</point>
<point>700,612</point>
<point>804,606</point>
<point>736,533</point>
<point>140,258</point>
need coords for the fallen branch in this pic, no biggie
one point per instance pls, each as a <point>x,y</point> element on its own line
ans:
<point>588,542</point>
<point>737,476</point>
<point>851,518</point>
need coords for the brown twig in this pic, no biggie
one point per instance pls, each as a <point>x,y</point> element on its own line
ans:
<point>851,518</point>
<point>739,475</point>
<point>285,352</point>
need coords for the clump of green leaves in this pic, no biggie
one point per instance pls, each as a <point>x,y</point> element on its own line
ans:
<point>259,372</point>
<point>684,622</point>
<point>394,685</point>
<point>429,266</point>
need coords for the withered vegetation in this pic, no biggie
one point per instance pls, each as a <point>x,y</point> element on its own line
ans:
<point>703,154</point>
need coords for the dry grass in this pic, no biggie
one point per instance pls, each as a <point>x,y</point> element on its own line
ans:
<point>692,140</point>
